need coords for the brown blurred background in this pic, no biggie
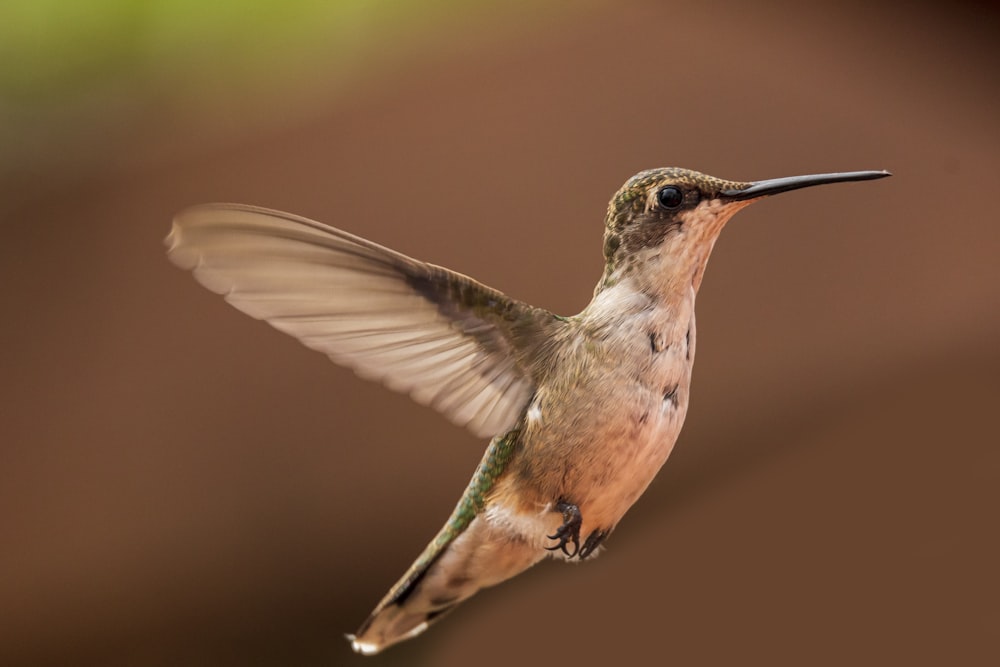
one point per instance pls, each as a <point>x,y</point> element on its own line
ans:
<point>181,485</point>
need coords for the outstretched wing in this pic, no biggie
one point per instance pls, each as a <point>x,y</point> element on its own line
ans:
<point>448,341</point>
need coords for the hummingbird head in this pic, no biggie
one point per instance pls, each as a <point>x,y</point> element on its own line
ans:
<point>677,214</point>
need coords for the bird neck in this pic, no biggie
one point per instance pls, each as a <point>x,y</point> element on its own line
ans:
<point>648,284</point>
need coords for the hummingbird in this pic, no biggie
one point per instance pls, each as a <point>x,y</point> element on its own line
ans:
<point>581,411</point>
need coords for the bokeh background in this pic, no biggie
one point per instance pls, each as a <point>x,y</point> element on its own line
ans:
<point>181,485</point>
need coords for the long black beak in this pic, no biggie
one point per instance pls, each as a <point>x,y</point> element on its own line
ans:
<point>775,185</point>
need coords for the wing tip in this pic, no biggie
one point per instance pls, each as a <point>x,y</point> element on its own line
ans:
<point>177,252</point>
<point>181,248</point>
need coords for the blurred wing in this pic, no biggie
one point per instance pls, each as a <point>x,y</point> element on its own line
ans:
<point>449,342</point>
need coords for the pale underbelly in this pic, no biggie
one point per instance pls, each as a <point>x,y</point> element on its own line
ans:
<point>631,464</point>
<point>602,465</point>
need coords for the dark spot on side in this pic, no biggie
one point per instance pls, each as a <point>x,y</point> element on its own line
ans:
<point>687,344</point>
<point>656,343</point>
<point>670,394</point>
<point>644,417</point>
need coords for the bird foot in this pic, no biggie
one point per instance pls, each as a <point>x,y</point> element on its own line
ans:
<point>569,531</point>
<point>594,540</point>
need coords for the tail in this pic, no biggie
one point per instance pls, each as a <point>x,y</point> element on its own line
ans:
<point>468,554</point>
<point>451,569</point>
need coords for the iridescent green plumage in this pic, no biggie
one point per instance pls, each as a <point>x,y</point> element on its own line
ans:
<point>473,501</point>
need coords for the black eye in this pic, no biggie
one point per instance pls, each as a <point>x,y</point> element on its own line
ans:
<point>670,197</point>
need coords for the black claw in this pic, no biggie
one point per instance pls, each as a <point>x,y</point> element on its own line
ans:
<point>569,531</point>
<point>594,540</point>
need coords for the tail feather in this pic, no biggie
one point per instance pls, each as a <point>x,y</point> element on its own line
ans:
<point>469,553</point>
<point>451,569</point>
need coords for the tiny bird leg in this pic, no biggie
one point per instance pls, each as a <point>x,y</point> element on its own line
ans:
<point>569,531</point>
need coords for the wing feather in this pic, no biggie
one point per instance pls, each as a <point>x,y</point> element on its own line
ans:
<point>451,343</point>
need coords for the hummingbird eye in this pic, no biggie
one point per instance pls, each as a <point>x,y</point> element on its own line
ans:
<point>670,197</point>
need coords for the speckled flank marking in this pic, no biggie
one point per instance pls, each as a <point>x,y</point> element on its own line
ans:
<point>670,396</point>
<point>657,342</point>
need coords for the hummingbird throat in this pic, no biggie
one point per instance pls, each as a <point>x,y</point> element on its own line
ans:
<point>668,255</point>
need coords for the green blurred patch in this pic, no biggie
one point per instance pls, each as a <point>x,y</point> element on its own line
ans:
<point>61,47</point>
<point>79,78</point>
